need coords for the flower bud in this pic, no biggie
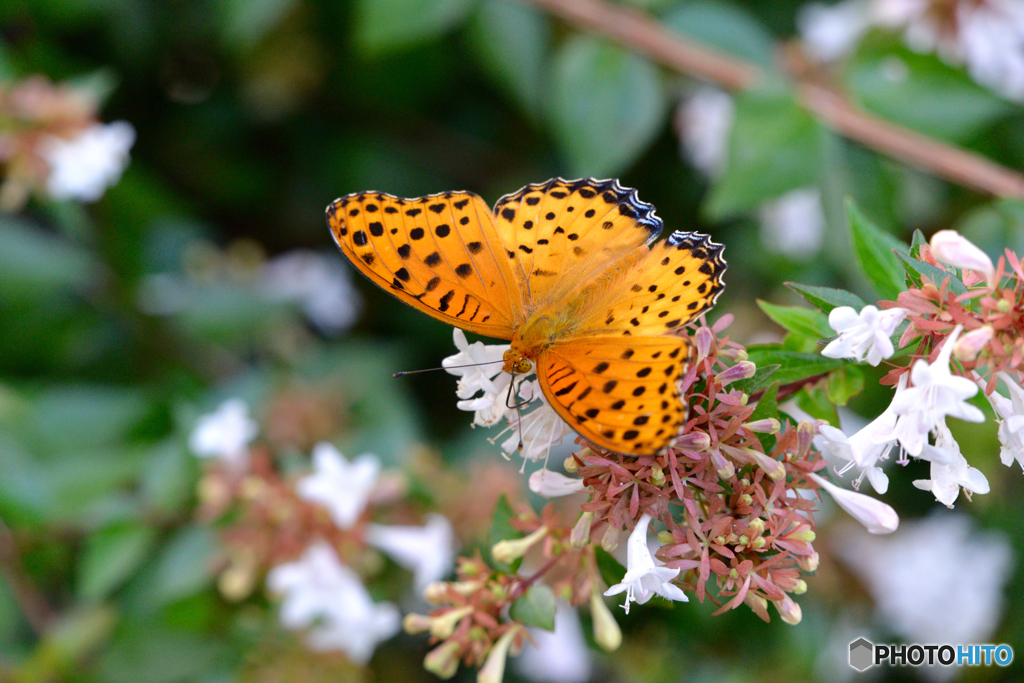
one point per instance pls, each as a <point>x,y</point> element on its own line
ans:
<point>610,540</point>
<point>443,660</point>
<point>702,340</point>
<point>768,425</point>
<point>657,474</point>
<point>789,610</point>
<point>758,543</point>
<point>414,624</point>
<point>952,248</point>
<point>723,467</point>
<point>549,484</point>
<point>607,633</point>
<point>801,587</point>
<point>772,467</point>
<point>436,593</point>
<point>742,370</point>
<point>693,441</point>
<point>809,563</point>
<point>570,465</point>
<point>444,625</point>
<point>493,669</point>
<point>968,346</point>
<point>805,432</point>
<point>665,536</point>
<point>756,526</point>
<point>580,535</point>
<point>508,551</point>
<point>733,353</point>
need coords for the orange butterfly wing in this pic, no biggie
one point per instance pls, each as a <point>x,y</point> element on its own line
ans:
<point>562,234</point>
<point>619,392</point>
<point>439,254</point>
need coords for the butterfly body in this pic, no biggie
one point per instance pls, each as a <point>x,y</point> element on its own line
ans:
<point>567,271</point>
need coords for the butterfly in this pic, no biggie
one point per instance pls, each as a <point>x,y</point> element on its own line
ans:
<point>569,272</point>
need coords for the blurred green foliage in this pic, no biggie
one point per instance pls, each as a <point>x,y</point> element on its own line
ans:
<point>251,116</point>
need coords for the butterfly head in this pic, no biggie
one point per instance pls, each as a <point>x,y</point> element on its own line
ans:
<point>516,363</point>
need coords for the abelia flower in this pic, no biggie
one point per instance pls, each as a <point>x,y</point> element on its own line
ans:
<point>340,486</point>
<point>643,578</point>
<point>950,471</point>
<point>863,335</point>
<point>225,434</point>
<point>427,551</point>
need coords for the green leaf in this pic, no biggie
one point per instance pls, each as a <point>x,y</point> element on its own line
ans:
<point>611,570</point>
<point>798,319</point>
<point>536,608</point>
<point>761,377</point>
<point>917,241</point>
<point>111,556</point>
<point>816,403</point>
<point>827,298</point>
<point>246,22</point>
<point>511,41</point>
<point>921,92</point>
<point>767,407</point>
<point>723,27</point>
<point>387,25</point>
<point>844,383</point>
<point>33,263</point>
<point>874,250</point>
<point>607,105</point>
<point>916,269</point>
<point>183,567</point>
<point>795,366</point>
<point>502,530</point>
<point>774,148</point>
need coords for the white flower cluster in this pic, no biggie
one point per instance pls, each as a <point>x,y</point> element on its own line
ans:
<point>85,166</point>
<point>987,36</point>
<point>319,592</point>
<point>918,409</point>
<point>489,393</point>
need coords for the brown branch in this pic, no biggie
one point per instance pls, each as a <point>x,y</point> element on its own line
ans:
<point>644,35</point>
<point>28,596</point>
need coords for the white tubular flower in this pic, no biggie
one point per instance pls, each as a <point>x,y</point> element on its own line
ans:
<point>949,470</point>
<point>427,551</point>
<point>559,656</point>
<point>936,393</point>
<point>322,593</point>
<point>992,40</point>
<point>342,487</point>
<point>830,32</point>
<point>550,484</point>
<point>1010,415</point>
<point>84,167</point>
<point>874,515</point>
<point>863,335</point>
<point>953,249</point>
<point>863,450</point>
<point>491,407</point>
<point>643,578</point>
<point>318,283</point>
<point>225,434</point>
<point>704,122</point>
<point>541,428</point>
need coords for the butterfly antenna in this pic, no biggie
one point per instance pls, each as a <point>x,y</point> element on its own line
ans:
<point>403,373</point>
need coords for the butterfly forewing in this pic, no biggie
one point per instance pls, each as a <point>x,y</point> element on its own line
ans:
<point>560,234</point>
<point>438,253</point>
<point>679,278</point>
<point>619,392</point>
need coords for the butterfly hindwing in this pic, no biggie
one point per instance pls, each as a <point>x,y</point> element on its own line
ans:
<point>438,253</point>
<point>563,232</point>
<point>619,392</point>
<point>679,278</point>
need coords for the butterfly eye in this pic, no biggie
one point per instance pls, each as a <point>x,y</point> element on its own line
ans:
<point>523,366</point>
